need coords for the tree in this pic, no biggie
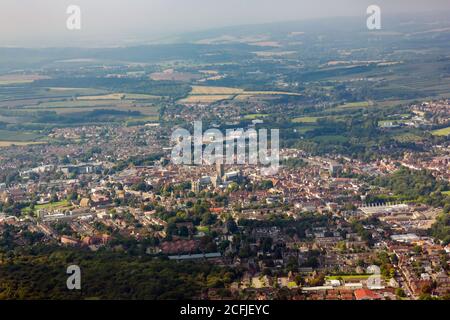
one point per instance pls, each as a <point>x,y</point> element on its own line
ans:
<point>399,292</point>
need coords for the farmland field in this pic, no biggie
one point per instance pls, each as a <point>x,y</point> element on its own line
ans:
<point>4,144</point>
<point>119,96</point>
<point>442,132</point>
<point>305,120</point>
<point>208,94</point>
<point>18,136</point>
<point>205,98</point>
<point>19,78</point>
<point>360,104</point>
<point>255,116</point>
<point>204,90</point>
<point>408,137</point>
<point>70,106</point>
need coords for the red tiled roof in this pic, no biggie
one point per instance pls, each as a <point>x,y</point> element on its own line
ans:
<point>366,294</point>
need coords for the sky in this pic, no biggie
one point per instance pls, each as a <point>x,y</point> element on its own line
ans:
<point>41,23</point>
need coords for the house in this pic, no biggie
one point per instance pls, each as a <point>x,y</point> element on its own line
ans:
<point>69,241</point>
<point>366,294</point>
<point>85,203</point>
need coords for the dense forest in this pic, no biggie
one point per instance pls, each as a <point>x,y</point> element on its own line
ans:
<point>40,273</point>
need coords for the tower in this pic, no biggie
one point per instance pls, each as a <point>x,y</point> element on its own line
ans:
<point>220,169</point>
<point>195,186</point>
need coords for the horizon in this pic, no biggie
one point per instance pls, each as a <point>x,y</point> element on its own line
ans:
<point>157,22</point>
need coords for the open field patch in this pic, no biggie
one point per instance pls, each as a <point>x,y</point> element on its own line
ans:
<point>408,137</point>
<point>205,98</point>
<point>255,116</point>
<point>18,136</point>
<point>305,119</point>
<point>209,94</point>
<point>118,96</point>
<point>20,78</point>
<point>5,144</point>
<point>360,104</point>
<point>77,106</point>
<point>442,132</point>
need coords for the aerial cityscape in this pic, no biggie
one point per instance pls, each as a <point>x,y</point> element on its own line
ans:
<point>296,159</point>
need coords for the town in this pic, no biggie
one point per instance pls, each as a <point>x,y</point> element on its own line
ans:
<point>335,184</point>
<point>309,231</point>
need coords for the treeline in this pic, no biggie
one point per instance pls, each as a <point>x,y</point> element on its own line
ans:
<point>441,228</point>
<point>415,185</point>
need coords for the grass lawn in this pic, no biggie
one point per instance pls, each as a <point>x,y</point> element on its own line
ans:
<point>52,205</point>
<point>447,193</point>
<point>203,229</point>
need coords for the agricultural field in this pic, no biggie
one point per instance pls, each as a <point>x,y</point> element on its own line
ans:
<point>305,120</point>
<point>18,136</point>
<point>209,94</point>
<point>442,132</point>
<point>205,90</point>
<point>205,99</point>
<point>118,96</point>
<point>5,144</point>
<point>19,78</point>
<point>77,106</point>
<point>408,137</point>
<point>360,104</point>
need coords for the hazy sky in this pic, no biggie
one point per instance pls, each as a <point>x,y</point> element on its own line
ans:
<point>43,22</point>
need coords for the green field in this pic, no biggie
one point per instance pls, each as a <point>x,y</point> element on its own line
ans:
<point>408,137</point>
<point>19,136</point>
<point>305,120</point>
<point>305,129</point>
<point>360,104</point>
<point>52,205</point>
<point>442,132</point>
<point>330,138</point>
<point>255,116</point>
<point>204,229</point>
